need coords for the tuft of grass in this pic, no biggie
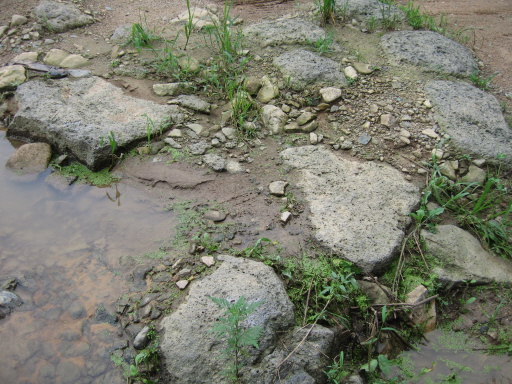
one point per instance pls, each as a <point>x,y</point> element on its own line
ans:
<point>141,37</point>
<point>485,209</point>
<point>101,178</point>
<point>322,45</point>
<point>481,82</point>
<point>326,9</point>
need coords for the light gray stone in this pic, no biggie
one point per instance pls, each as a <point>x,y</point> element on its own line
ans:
<point>303,69</point>
<point>191,350</point>
<point>172,143</point>
<point>473,119</point>
<point>267,91</point>
<point>76,116</point>
<point>233,166</point>
<point>27,57</point>
<point>215,162</point>
<point>273,118</point>
<point>368,10</point>
<point>11,76</point>
<point>474,175</point>
<point>305,117</point>
<point>430,51</point>
<point>277,188</point>
<point>357,209</point>
<point>141,340</point>
<point>330,94</point>
<point>17,20</point>
<point>60,17</point>
<point>10,300</point>
<point>172,89</point>
<point>122,34</point>
<point>199,148</point>
<point>30,158</point>
<point>462,258</point>
<point>284,31</point>
<point>194,103</point>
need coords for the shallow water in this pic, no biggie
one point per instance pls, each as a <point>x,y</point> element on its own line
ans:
<point>449,357</point>
<point>64,247</point>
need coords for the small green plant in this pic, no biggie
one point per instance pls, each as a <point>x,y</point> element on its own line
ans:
<point>111,140</point>
<point>101,178</point>
<point>238,338</point>
<point>327,10</point>
<point>189,24</point>
<point>115,63</point>
<point>337,372</point>
<point>481,82</point>
<point>389,17</point>
<point>150,127</point>
<point>140,37</point>
<point>322,45</point>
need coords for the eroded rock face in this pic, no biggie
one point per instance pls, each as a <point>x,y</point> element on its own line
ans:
<point>60,17</point>
<point>76,117</point>
<point>462,257</point>
<point>358,209</point>
<point>303,68</point>
<point>473,119</point>
<point>192,353</point>
<point>429,50</point>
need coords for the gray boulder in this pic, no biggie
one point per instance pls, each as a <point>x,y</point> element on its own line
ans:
<point>358,209</point>
<point>303,68</point>
<point>462,257</point>
<point>472,118</point>
<point>430,51</point>
<point>30,158</point>
<point>191,350</point>
<point>368,9</point>
<point>60,17</point>
<point>284,31</point>
<point>77,116</point>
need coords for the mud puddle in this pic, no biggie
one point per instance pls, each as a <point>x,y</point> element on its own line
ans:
<point>453,357</point>
<point>64,248</point>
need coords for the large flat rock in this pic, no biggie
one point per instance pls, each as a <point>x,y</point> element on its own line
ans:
<point>284,31</point>
<point>473,119</point>
<point>462,258</point>
<point>358,209</point>
<point>60,17</point>
<point>303,68</point>
<point>191,350</point>
<point>75,117</point>
<point>430,51</point>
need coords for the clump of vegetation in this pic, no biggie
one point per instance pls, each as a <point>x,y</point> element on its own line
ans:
<point>327,10</point>
<point>230,328</point>
<point>101,178</point>
<point>481,82</point>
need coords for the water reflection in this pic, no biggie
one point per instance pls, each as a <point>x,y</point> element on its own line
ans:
<point>64,246</point>
<point>449,357</point>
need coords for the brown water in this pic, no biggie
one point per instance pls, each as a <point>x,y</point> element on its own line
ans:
<point>64,248</point>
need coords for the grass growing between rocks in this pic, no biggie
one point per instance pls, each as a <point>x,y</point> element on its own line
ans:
<point>483,208</point>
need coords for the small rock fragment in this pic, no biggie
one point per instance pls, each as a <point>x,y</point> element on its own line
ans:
<point>215,216</point>
<point>285,217</point>
<point>208,260</point>
<point>182,284</point>
<point>277,188</point>
<point>330,94</point>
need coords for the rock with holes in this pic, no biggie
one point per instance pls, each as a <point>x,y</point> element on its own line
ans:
<point>302,69</point>
<point>60,17</point>
<point>473,119</point>
<point>77,117</point>
<point>430,51</point>
<point>359,210</point>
